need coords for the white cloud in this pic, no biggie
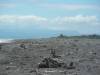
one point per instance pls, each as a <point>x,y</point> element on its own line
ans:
<point>43,4</point>
<point>70,6</point>
<point>73,22</point>
<point>75,19</point>
<point>21,19</point>
<point>57,23</point>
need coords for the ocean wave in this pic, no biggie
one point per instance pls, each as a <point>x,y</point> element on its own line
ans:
<point>6,40</point>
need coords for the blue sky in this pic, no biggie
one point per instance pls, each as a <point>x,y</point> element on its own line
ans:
<point>45,18</point>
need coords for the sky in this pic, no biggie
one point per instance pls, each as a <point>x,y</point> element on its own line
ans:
<point>46,18</point>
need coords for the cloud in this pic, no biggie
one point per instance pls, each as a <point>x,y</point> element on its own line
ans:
<point>70,6</point>
<point>7,5</point>
<point>56,23</point>
<point>21,19</point>
<point>72,22</point>
<point>75,19</point>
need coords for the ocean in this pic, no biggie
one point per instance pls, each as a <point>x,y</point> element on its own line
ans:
<point>6,40</point>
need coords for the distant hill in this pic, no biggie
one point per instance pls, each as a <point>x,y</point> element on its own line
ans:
<point>93,36</point>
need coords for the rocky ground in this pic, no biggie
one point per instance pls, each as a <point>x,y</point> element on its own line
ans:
<point>21,57</point>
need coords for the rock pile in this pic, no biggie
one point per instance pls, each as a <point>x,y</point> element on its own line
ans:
<point>54,62</point>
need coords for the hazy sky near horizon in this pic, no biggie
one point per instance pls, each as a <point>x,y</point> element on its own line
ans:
<point>39,18</point>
